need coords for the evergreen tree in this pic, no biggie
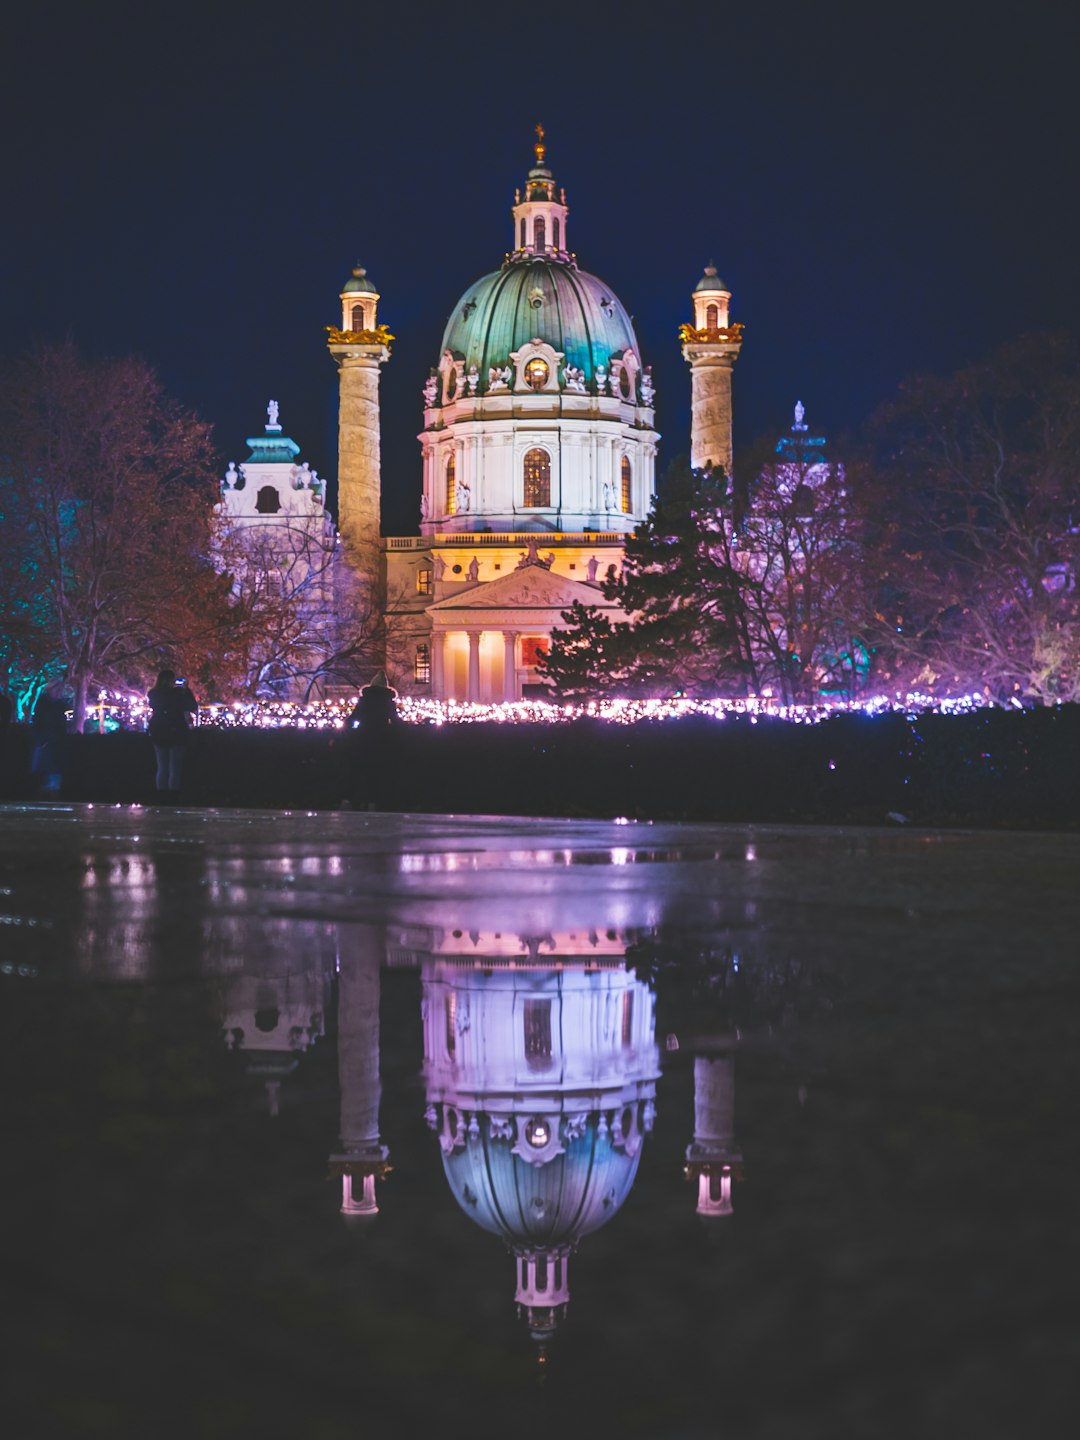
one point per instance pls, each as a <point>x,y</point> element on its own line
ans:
<point>679,585</point>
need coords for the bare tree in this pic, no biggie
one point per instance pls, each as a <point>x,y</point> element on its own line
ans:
<point>301,620</point>
<point>114,502</point>
<point>978,474</point>
<point>797,544</point>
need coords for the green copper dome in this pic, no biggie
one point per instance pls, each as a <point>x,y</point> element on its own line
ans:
<point>710,280</point>
<point>536,298</point>
<point>357,281</point>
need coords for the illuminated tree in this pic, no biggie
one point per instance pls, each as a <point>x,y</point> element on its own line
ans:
<point>110,492</point>
<point>729,593</point>
<point>978,474</point>
<point>299,618</point>
<point>804,593</point>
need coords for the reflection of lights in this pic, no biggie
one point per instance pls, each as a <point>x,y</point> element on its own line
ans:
<point>537,1133</point>
<point>620,857</point>
<point>133,712</point>
<point>751,852</point>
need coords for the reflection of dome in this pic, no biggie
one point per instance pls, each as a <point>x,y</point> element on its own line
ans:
<point>553,1203</point>
<point>540,1086</point>
<point>533,298</point>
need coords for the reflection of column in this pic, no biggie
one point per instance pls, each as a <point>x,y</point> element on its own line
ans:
<point>438,651</point>
<point>473,691</point>
<point>713,1157</point>
<point>509,665</point>
<point>362,1156</point>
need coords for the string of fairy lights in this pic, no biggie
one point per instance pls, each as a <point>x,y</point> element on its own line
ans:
<point>132,712</point>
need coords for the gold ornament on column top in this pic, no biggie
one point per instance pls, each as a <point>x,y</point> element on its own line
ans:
<point>379,336</point>
<point>725,335</point>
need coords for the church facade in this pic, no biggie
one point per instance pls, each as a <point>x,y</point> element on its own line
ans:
<point>538,449</point>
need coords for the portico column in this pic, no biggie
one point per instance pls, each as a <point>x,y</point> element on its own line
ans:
<point>438,644</point>
<point>509,665</point>
<point>473,691</point>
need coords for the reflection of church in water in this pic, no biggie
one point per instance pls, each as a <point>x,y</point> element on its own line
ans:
<point>540,1071</point>
<point>540,1056</point>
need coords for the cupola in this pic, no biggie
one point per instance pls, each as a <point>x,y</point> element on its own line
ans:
<point>540,212</point>
<point>359,300</point>
<point>711,301</point>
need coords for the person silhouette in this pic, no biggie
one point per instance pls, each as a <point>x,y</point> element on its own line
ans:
<point>171,703</point>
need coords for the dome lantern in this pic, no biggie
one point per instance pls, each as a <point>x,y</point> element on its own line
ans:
<point>540,212</point>
<point>359,301</point>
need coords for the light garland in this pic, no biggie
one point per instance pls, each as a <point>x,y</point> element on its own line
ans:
<point>132,712</point>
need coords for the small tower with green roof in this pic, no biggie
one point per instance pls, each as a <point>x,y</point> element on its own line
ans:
<point>711,346</point>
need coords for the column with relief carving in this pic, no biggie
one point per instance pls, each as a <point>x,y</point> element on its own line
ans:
<point>359,349</point>
<point>362,1156</point>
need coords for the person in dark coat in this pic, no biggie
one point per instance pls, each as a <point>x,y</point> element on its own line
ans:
<point>376,708</point>
<point>373,754</point>
<point>48,726</point>
<point>171,705</point>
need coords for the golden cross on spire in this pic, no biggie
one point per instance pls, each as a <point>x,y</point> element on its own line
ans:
<point>540,147</point>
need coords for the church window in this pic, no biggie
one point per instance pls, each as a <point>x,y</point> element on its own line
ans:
<point>536,373</point>
<point>358,317</point>
<point>451,1023</point>
<point>523,234</point>
<point>422,665</point>
<point>712,318</point>
<point>537,1018</point>
<point>627,1019</point>
<point>625,477</point>
<point>555,235</point>
<point>537,477</point>
<point>423,580</point>
<point>268,501</point>
<point>539,233</point>
<point>533,649</point>
<point>451,486</point>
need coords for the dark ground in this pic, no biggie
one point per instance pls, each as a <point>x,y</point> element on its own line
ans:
<point>992,768</point>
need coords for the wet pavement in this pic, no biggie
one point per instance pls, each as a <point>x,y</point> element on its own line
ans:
<point>315,1121</point>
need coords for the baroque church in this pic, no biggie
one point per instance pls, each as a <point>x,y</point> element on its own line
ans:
<point>538,458</point>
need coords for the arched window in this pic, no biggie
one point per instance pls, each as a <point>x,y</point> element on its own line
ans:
<point>523,232</point>
<point>539,233</point>
<point>451,486</point>
<point>537,1022</point>
<point>358,317</point>
<point>712,318</point>
<point>625,476</point>
<point>537,477</point>
<point>268,501</point>
<point>555,233</point>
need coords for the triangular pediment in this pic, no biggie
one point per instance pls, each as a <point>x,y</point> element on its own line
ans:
<point>532,587</point>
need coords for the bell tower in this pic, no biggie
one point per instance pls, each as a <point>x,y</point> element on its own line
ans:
<point>711,346</point>
<point>359,349</point>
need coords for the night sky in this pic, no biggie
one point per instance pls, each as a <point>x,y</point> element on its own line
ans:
<point>885,190</point>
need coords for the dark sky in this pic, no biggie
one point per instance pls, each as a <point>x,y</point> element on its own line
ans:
<point>886,189</point>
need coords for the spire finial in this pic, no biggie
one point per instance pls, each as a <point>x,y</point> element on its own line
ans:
<point>540,148</point>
